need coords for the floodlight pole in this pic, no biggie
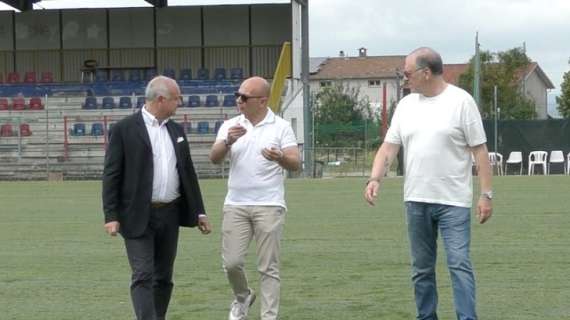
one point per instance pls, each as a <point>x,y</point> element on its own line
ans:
<point>496,119</point>
<point>307,112</point>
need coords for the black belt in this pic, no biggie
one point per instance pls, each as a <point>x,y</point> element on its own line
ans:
<point>159,205</point>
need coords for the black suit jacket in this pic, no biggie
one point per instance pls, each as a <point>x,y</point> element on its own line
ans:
<point>128,175</point>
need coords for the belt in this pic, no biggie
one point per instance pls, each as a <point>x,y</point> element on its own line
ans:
<point>158,205</point>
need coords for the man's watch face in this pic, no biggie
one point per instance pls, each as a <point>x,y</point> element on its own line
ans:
<point>488,195</point>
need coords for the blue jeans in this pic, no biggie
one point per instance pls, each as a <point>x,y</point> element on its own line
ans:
<point>424,220</point>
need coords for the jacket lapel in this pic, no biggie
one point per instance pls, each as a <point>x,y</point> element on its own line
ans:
<point>141,128</point>
<point>174,137</point>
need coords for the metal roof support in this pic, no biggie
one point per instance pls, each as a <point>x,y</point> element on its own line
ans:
<point>22,5</point>
<point>158,3</point>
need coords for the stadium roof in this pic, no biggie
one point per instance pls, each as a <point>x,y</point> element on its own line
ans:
<point>26,5</point>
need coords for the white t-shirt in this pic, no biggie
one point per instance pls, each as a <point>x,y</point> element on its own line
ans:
<point>253,179</point>
<point>436,133</point>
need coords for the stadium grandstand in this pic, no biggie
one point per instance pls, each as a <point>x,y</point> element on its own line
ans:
<point>67,75</point>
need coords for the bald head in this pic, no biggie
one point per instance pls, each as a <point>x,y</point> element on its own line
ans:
<point>160,86</point>
<point>428,58</point>
<point>258,86</point>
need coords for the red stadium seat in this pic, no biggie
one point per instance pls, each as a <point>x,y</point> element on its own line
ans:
<point>13,77</point>
<point>18,103</point>
<point>36,104</point>
<point>47,76</point>
<point>4,105</point>
<point>25,130</point>
<point>30,77</point>
<point>6,130</point>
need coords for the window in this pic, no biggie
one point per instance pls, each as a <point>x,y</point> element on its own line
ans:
<point>325,84</point>
<point>373,83</point>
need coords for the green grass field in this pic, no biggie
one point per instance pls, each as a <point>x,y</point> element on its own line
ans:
<point>341,258</point>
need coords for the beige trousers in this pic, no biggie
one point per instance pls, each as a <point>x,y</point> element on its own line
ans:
<point>264,224</point>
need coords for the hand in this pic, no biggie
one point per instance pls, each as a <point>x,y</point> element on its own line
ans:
<point>204,225</point>
<point>272,154</point>
<point>112,228</point>
<point>371,191</point>
<point>484,209</point>
<point>235,133</point>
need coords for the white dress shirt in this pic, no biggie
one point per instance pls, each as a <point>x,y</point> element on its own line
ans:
<point>165,182</point>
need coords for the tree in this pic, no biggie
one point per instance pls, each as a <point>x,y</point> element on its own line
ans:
<point>564,99</point>
<point>501,69</point>
<point>339,114</point>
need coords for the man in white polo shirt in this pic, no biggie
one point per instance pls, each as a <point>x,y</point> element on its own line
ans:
<point>439,127</point>
<point>259,145</point>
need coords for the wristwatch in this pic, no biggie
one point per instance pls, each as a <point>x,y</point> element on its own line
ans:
<point>227,143</point>
<point>487,195</point>
<point>372,179</point>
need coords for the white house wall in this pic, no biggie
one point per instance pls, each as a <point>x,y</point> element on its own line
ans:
<point>536,91</point>
<point>374,93</point>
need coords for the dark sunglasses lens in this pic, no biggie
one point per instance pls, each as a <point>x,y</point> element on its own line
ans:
<point>240,96</point>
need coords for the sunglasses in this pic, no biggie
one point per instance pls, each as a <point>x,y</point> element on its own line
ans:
<point>407,74</point>
<point>245,97</point>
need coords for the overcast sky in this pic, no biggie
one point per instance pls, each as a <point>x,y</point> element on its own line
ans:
<point>396,27</point>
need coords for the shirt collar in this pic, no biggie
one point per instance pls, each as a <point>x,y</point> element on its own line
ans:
<point>151,120</point>
<point>269,118</point>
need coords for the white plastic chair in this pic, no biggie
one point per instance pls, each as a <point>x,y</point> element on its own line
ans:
<point>537,158</point>
<point>556,156</point>
<point>496,160</point>
<point>515,157</point>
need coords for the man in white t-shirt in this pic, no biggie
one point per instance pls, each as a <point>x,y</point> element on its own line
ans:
<point>439,127</point>
<point>259,145</point>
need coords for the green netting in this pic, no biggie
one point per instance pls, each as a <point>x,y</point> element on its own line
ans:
<point>527,136</point>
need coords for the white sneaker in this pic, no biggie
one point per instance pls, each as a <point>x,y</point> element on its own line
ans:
<point>239,310</point>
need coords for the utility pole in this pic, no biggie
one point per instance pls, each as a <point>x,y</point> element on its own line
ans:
<point>477,74</point>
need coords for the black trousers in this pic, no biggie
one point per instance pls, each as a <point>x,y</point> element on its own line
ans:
<point>151,257</point>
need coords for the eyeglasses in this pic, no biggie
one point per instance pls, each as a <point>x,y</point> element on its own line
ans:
<point>245,97</point>
<point>408,74</point>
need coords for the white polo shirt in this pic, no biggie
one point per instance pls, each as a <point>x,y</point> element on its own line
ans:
<point>253,179</point>
<point>437,133</point>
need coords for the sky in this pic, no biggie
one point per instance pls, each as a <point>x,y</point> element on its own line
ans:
<point>396,27</point>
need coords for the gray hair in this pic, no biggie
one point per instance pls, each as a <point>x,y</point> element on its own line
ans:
<point>428,58</point>
<point>157,87</point>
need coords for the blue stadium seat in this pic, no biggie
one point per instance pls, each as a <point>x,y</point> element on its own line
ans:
<point>78,129</point>
<point>90,103</point>
<point>135,75</point>
<point>117,75</point>
<point>194,101</point>
<point>219,74</point>
<point>236,73</point>
<point>203,127</point>
<point>125,103</point>
<point>97,129</point>
<point>185,74</point>
<point>229,100</point>
<point>212,101</point>
<point>101,76</point>
<point>217,126</point>
<point>203,74</point>
<point>108,103</point>
<point>149,74</point>
<point>140,102</point>
<point>169,72</point>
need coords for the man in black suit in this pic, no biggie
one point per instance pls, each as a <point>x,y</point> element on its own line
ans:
<point>150,188</point>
